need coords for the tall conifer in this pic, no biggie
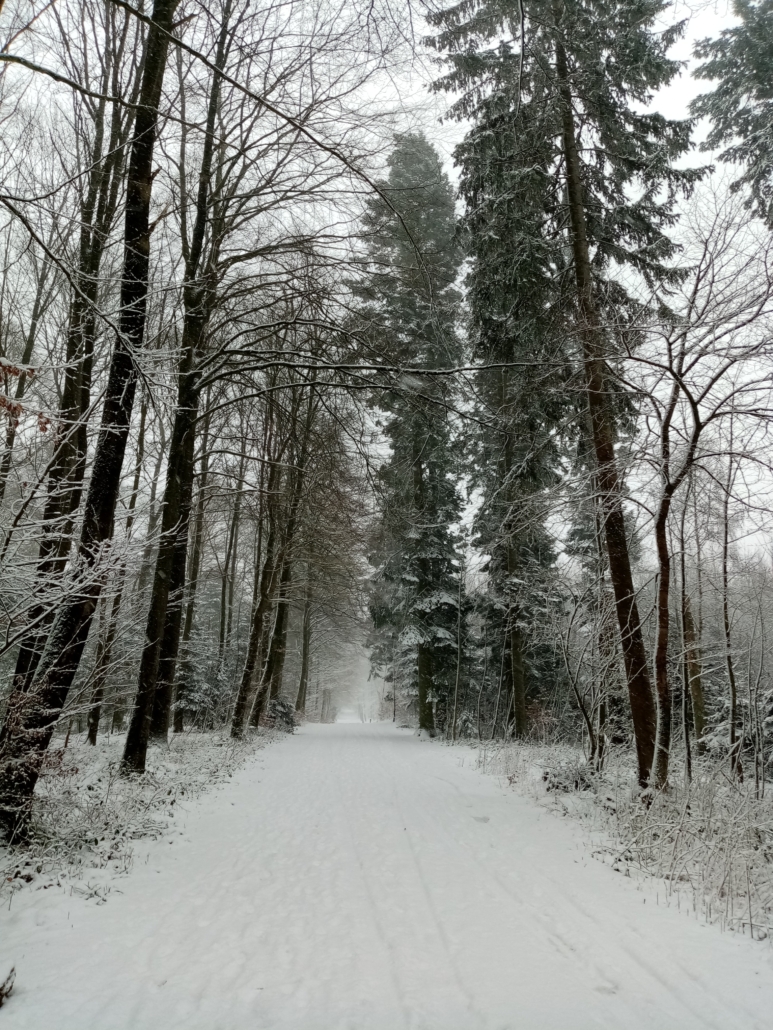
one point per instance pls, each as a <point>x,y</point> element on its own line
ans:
<point>412,305</point>
<point>569,179</point>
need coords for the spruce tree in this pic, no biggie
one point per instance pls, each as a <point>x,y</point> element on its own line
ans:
<point>411,305</point>
<point>741,105</point>
<point>570,179</point>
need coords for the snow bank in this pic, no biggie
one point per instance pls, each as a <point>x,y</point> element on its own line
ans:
<point>708,844</point>
<point>87,817</point>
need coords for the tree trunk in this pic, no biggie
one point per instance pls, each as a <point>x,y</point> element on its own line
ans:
<point>694,674</point>
<point>691,663</point>
<point>519,683</point>
<point>21,385</point>
<point>68,466</point>
<point>163,626</point>
<point>278,648</point>
<point>454,714</point>
<point>198,534</point>
<point>234,552</point>
<point>734,743</point>
<point>102,666</point>
<point>634,655</point>
<point>303,681</point>
<point>268,577</point>
<point>664,701</point>
<point>174,526</point>
<point>105,646</point>
<point>271,669</point>
<point>424,675</point>
<point>226,584</point>
<point>170,639</point>
<point>30,720</point>
<point>257,634</point>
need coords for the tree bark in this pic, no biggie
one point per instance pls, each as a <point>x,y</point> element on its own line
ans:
<point>268,577</point>
<point>198,533</point>
<point>733,741</point>
<point>278,648</point>
<point>663,687</point>
<point>105,646</point>
<point>174,525</point>
<point>632,640</point>
<point>38,306</point>
<point>163,625</point>
<point>519,683</point>
<point>694,674</point>
<point>424,676</point>
<point>693,680</point>
<point>303,680</point>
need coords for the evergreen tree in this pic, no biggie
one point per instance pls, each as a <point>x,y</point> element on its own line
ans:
<point>569,179</point>
<point>741,105</point>
<point>411,304</point>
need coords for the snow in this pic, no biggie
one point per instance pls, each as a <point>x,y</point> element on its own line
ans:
<point>354,877</point>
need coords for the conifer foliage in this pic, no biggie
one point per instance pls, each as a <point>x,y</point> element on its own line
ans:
<point>578,178</point>
<point>741,105</point>
<point>412,305</point>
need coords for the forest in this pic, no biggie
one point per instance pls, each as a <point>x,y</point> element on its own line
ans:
<point>298,398</point>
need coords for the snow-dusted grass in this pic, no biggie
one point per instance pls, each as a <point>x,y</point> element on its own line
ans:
<point>710,842</point>
<point>87,816</point>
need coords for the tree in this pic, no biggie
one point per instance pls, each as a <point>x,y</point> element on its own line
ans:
<point>740,107</point>
<point>563,87</point>
<point>30,719</point>
<point>412,304</point>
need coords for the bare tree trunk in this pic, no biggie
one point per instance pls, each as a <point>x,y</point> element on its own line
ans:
<point>278,648</point>
<point>664,706</point>
<point>634,655</point>
<point>105,646</point>
<point>235,550</point>
<point>65,478</point>
<point>226,583</point>
<point>454,715</point>
<point>303,681</point>
<point>38,306</point>
<point>691,663</point>
<point>424,675</point>
<point>174,525</point>
<point>734,743</point>
<point>268,578</point>
<point>198,532</point>
<point>154,513</point>
<point>518,682</point>
<point>29,726</point>
<point>163,626</point>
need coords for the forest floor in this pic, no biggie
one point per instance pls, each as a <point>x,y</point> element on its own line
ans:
<point>354,877</point>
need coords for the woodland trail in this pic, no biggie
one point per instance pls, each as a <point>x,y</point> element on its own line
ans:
<point>353,877</point>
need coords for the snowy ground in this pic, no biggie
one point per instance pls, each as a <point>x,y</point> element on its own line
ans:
<point>355,878</point>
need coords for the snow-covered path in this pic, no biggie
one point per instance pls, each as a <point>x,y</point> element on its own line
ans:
<point>355,878</point>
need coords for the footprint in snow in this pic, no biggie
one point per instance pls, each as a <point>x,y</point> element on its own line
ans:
<point>481,818</point>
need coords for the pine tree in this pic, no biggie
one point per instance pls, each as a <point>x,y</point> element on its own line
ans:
<point>522,398</point>
<point>570,180</point>
<point>741,105</point>
<point>411,305</point>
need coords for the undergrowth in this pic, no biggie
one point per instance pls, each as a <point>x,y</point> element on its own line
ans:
<point>87,817</point>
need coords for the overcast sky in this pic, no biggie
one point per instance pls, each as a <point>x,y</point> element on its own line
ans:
<point>705,19</point>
